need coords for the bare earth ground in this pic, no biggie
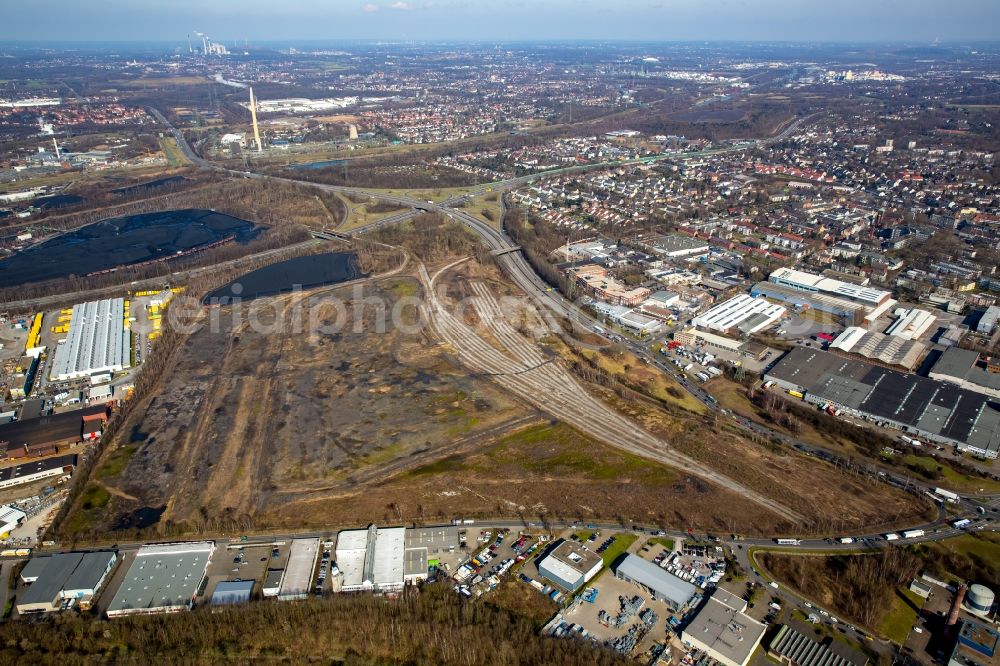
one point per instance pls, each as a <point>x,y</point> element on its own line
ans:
<point>301,430</point>
<point>250,424</point>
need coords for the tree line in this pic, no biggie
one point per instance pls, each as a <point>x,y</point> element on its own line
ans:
<point>430,626</point>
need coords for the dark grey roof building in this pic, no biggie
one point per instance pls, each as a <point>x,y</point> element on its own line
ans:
<point>928,408</point>
<point>63,576</point>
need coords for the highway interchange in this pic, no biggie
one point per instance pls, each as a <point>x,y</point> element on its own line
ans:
<point>516,267</point>
<point>981,508</point>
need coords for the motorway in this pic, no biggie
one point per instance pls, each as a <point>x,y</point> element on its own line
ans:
<point>520,272</point>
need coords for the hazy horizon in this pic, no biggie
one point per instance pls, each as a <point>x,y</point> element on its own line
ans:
<point>158,21</point>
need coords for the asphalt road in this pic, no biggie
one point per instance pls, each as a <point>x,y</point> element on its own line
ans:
<point>518,269</point>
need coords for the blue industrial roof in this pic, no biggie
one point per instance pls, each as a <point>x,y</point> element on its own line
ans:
<point>232,592</point>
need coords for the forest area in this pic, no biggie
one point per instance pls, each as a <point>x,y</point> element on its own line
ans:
<point>430,626</point>
<point>843,582</point>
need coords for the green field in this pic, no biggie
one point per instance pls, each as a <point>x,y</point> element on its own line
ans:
<point>952,478</point>
<point>173,152</point>
<point>901,616</point>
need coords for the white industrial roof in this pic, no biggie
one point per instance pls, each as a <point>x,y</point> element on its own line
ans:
<point>738,309</point>
<point>299,570</point>
<point>912,324</point>
<point>815,282</point>
<point>9,517</point>
<point>97,341</point>
<point>387,563</point>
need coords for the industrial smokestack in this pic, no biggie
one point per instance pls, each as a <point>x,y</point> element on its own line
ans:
<point>956,605</point>
<point>56,144</point>
<point>253,117</point>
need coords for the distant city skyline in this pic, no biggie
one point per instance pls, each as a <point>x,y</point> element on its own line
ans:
<point>501,20</point>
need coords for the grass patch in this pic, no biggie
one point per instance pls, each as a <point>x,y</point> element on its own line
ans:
<point>975,557</point>
<point>560,449</point>
<point>172,151</point>
<point>666,542</point>
<point>90,509</point>
<point>404,289</point>
<point>443,466</point>
<point>486,208</point>
<point>901,615</point>
<point>614,551</point>
<point>950,477</point>
<point>94,496</point>
<point>114,463</point>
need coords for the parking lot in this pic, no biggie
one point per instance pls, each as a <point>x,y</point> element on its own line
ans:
<point>242,562</point>
<point>494,554</point>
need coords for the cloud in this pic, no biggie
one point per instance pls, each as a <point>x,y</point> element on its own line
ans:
<point>370,8</point>
<point>401,6</point>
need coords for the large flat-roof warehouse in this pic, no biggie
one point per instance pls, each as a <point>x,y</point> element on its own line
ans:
<point>385,559</point>
<point>162,578</point>
<point>934,409</point>
<point>97,341</point>
<point>743,313</point>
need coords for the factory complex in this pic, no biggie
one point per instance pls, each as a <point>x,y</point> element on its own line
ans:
<point>880,348</point>
<point>925,407</point>
<point>58,581</point>
<point>808,290</point>
<point>98,341</point>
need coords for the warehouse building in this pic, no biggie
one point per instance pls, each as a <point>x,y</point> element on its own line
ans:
<point>232,592</point>
<point>570,565</point>
<point>33,431</point>
<point>911,324</point>
<point>807,290</point>
<point>36,470</point>
<point>812,283</point>
<point>988,322</point>
<point>792,646</point>
<point>676,246</point>
<point>928,408</point>
<point>57,581</point>
<point>163,578</point>
<point>303,555</point>
<point>97,341</point>
<point>676,593</point>
<point>741,315</point>
<point>372,559</point>
<point>964,368</point>
<point>723,631</point>
<point>886,349</point>
<point>386,559</point>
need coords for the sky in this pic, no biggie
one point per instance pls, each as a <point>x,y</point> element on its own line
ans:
<point>501,20</point>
